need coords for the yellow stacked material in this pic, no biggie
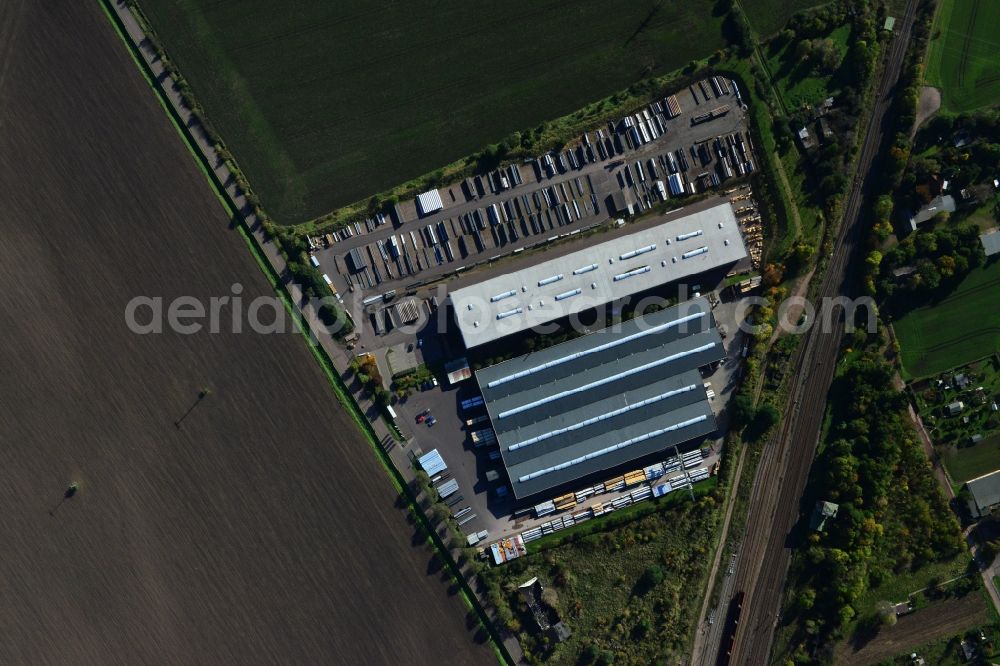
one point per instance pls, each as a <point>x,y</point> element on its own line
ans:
<point>612,482</point>
<point>563,502</point>
<point>635,478</point>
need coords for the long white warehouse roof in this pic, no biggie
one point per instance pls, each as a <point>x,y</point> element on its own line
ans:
<point>679,248</point>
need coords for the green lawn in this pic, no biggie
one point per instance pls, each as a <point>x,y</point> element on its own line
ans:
<point>898,587</point>
<point>962,327</point>
<point>972,461</point>
<point>964,55</point>
<point>327,103</point>
<point>986,216</point>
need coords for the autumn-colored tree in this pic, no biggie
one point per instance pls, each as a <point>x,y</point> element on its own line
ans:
<point>772,275</point>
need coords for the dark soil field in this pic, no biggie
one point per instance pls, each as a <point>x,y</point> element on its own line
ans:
<point>263,529</point>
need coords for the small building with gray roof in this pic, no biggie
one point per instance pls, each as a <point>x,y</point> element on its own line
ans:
<point>985,493</point>
<point>604,399</point>
<point>991,243</point>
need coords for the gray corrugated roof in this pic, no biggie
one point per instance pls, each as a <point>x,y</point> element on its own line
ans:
<point>986,490</point>
<point>641,377</point>
<point>626,264</point>
<point>941,204</point>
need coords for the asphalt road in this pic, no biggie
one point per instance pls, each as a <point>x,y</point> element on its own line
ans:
<point>781,477</point>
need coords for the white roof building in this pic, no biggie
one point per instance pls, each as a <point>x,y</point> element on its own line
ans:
<point>991,243</point>
<point>429,202</point>
<point>626,264</point>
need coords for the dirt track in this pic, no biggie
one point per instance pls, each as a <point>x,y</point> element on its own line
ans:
<point>261,530</point>
<point>927,105</point>
<point>944,618</point>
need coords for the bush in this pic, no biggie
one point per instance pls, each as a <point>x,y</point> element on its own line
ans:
<point>651,577</point>
<point>741,410</point>
<point>765,418</point>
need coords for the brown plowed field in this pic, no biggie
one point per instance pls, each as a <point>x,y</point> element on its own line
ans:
<point>261,530</point>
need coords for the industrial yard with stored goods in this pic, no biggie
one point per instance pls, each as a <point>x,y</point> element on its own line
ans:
<point>258,528</point>
<point>431,333</point>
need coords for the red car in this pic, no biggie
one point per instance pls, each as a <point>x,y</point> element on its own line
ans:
<point>423,415</point>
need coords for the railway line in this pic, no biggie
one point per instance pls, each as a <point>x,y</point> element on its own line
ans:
<point>783,471</point>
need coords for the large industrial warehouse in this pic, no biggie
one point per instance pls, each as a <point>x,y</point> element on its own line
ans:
<point>678,249</point>
<point>604,399</point>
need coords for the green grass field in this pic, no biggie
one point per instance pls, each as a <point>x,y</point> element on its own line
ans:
<point>898,587</point>
<point>597,573</point>
<point>797,85</point>
<point>769,16</point>
<point>327,103</point>
<point>964,55</point>
<point>972,461</point>
<point>960,328</point>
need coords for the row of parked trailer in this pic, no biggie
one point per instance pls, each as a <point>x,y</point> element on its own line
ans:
<point>629,133</point>
<point>542,211</point>
<point>670,174</point>
<point>481,230</point>
<point>356,228</point>
<point>495,182</point>
<point>409,252</point>
<point>719,85</point>
<point>733,154</point>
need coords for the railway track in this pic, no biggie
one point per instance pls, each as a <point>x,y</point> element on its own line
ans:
<point>781,476</point>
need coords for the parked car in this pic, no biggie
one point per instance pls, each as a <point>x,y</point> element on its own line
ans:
<point>434,381</point>
<point>431,421</point>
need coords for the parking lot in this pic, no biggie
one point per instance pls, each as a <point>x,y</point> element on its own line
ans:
<point>630,165</point>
